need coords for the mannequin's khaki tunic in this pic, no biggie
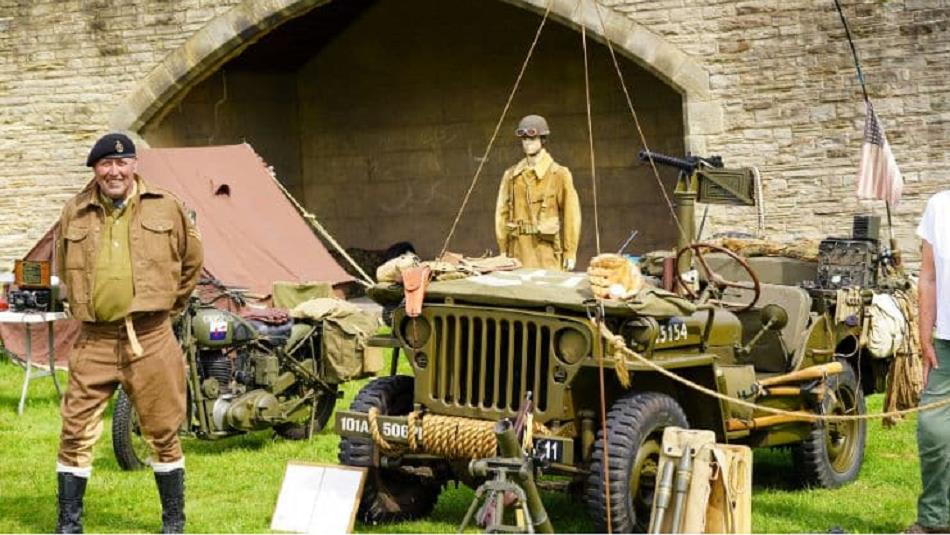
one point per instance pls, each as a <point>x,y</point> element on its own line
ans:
<point>538,215</point>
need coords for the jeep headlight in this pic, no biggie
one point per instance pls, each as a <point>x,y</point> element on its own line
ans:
<point>571,345</point>
<point>415,331</point>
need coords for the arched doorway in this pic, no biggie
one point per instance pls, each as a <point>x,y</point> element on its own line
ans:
<point>375,113</point>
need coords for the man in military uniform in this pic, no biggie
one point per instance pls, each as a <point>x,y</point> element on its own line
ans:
<point>130,258</point>
<point>933,426</point>
<point>538,216</point>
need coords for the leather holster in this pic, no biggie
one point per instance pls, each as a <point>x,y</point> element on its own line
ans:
<point>414,281</point>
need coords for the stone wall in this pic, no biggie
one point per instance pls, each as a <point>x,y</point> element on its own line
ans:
<point>792,105</point>
<point>780,70</point>
<point>64,66</point>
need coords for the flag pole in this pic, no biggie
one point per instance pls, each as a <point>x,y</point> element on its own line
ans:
<point>864,91</point>
<point>854,51</point>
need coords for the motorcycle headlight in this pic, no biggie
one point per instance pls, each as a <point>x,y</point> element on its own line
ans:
<point>415,331</point>
<point>571,345</point>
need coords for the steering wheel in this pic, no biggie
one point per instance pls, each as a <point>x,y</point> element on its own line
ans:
<point>715,282</point>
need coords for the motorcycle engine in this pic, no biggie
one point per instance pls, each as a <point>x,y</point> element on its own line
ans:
<point>243,388</point>
<point>240,380</point>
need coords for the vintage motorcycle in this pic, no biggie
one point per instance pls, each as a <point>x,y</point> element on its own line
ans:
<point>243,375</point>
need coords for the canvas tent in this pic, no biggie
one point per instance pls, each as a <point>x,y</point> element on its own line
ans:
<point>251,233</point>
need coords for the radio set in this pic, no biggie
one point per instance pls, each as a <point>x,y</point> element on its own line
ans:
<point>850,262</point>
<point>34,288</point>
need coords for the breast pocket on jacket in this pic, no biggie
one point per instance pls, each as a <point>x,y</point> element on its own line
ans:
<point>158,241</point>
<point>77,262</point>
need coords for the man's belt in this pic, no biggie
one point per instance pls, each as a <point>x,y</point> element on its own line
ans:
<point>141,321</point>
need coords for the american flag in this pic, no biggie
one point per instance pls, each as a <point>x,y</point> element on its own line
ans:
<point>878,175</point>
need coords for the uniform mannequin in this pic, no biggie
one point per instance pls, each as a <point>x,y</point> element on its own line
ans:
<point>538,215</point>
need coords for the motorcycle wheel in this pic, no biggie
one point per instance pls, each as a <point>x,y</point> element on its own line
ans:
<point>388,495</point>
<point>323,408</point>
<point>131,449</point>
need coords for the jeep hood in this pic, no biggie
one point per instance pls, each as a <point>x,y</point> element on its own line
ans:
<point>538,288</point>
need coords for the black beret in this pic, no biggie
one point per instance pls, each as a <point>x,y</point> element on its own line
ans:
<point>111,146</point>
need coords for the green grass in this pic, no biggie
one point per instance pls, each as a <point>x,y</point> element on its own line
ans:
<point>233,483</point>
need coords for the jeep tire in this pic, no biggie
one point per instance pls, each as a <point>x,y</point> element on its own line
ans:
<point>635,424</point>
<point>832,453</point>
<point>388,495</point>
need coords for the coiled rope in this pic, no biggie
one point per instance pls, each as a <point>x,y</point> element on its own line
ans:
<point>450,437</point>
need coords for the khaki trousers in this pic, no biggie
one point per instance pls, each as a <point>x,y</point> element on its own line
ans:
<point>101,360</point>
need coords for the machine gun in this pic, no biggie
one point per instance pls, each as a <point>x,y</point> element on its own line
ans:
<point>686,165</point>
<point>706,180</point>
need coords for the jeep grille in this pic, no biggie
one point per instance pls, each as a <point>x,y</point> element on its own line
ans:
<point>489,362</point>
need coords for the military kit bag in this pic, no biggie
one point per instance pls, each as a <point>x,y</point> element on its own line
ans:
<point>346,330</point>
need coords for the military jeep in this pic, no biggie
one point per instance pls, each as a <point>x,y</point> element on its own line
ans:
<point>763,330</point>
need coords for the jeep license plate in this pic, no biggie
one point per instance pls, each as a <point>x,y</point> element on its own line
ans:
<point>554,450</point>
<point>356,424</point>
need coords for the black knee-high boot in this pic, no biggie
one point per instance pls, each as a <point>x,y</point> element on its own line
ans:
<point>171,489</point>
<point>71,490</point>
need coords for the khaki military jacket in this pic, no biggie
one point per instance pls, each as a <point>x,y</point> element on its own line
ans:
<point>538,215</point>
<point>164,245</point>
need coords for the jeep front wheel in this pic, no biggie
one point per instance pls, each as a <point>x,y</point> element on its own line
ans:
<point>832,453</point>
<point>389,495</point>
<point>635,426</point>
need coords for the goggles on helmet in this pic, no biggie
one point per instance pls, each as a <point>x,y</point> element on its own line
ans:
<point>527,132</point>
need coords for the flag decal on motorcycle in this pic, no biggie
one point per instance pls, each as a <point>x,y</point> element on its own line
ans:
<point>217,329</point>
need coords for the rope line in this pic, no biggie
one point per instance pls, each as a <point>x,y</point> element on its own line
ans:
<point>613,342</point>
<point>491,142</point>
<point>603,427</point>
<point>636,120</point>
<point>312,219</point>
<point>590,136</point>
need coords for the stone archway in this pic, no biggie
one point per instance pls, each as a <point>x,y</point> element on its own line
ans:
<point>227,35</point>
<point>418,166</point>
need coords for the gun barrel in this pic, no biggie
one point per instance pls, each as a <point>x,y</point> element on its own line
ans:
<point>509,447</point>
<point>667,160</point>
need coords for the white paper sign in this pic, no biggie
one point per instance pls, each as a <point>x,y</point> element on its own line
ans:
<point>318,498</point>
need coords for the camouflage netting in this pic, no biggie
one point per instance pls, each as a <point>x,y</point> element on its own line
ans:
<point>804,249</point>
